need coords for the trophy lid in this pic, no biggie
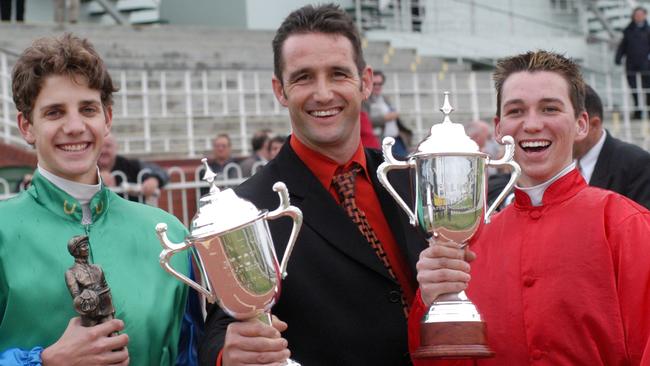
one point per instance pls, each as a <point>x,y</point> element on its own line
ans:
<point>220,211</point>
<point>447,137</point>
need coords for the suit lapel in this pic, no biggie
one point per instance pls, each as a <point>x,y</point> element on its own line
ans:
<point>322,214</point>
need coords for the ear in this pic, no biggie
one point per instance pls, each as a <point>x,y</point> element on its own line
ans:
<point>278,90</point>
<point>366,82</point>
<point>108,115</point>
<point>497,129</point>
<point>582,126</point>
<point>26,128</point>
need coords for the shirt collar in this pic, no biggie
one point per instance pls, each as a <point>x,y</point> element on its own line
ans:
<point>536,193</point>
<point>323,167</point>
<point>588,161</point>
<point>557,189</point>
<point>58,201</point>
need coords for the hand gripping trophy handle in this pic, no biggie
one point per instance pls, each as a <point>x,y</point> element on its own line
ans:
<point>506,160</point>
<point>390,164</point>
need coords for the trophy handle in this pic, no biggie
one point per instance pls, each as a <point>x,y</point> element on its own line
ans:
<point>507,159</point>
<point>389,164</point>
<point>169,249</point>
<point>285,209</point>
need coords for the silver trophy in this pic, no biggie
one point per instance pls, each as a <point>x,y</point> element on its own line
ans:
<point>231,240</point>
<point>450,204</point>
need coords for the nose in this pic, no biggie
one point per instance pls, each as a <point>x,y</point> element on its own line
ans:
<point>323,92</point>
<point>74,123</point>
<point>533,122</point>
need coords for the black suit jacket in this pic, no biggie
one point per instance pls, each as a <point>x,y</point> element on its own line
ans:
<point>340,303</point>
<point>623,168</point>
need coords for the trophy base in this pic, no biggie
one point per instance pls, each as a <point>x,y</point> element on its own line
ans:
<point>453,330</point>
<point>453,340</point>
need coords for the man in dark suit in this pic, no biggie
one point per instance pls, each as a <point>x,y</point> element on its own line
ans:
<point>610,163</point>
<point>347,297</point>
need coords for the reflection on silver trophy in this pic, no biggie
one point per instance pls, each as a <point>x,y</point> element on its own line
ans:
<point>231,240</point>
<point>450,204</point>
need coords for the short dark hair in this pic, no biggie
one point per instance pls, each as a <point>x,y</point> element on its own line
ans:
<point>379,73</point>
<point>329,19</point>
<point>638,8</point>
<point>593,104</point>
<point>66,55</point>
<point>542,61</point>
<point>259,139</point>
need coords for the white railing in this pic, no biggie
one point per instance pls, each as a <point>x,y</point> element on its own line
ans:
<point>177,112</point>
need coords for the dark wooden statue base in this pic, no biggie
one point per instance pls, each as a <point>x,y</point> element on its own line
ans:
<point>453,340</point>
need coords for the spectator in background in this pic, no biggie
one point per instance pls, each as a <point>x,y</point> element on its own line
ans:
<point>384,117</point>
<point>149,175</point>
<point>260,144</point>
<point>275,144</point>
<point>66,10</point>
<point>607,162</point>
<point>5,10</point>
<point>221,153</point>
<point>635,46</point>
<point>368,138</point>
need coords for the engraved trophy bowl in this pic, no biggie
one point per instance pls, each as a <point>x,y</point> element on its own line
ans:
<point>232,243</point>
<point>450,205</point>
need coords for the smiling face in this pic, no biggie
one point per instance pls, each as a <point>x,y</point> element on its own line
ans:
<point>323,90</point>
<point>537,112</point>
<point>68,127</point>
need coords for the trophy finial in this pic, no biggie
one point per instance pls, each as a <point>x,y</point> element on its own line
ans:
<point>446,108</point>
<point>210,176</point>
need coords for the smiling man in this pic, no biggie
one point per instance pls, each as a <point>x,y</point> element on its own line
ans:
<point>561,276</point>
<point>63,94</point>
<point>348,293</point>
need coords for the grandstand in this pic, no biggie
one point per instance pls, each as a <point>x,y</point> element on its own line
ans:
<point>180,84</point>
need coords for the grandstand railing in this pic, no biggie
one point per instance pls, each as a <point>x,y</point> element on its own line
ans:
<point>177,112</point>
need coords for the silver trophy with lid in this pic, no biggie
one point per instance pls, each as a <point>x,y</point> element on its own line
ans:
<point>232,242</point>
<point>450,205</point>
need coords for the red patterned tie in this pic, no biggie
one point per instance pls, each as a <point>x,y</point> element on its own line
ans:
<point>344,184</point>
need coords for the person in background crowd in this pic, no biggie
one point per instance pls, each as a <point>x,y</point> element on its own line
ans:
<point>63,94</point>
<point>351,274</point>
<point>385,117</point>
<point>151,176</point>
<point>607,162</point>
<point>635,46</point>
<point>368,138</point>
<point>275,144</point>
<point>560,276</point>
<point>66,10</point>
<point>221,153</point>
<point>5,10</point>
<point>260,144</point>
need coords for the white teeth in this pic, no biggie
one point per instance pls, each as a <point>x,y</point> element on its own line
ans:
<point>325,113</point>
<point>526,144</point>
<point>73,147</point>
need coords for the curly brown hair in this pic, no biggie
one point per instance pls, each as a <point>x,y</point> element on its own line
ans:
<point>66,55</point>
<point>542,61</point>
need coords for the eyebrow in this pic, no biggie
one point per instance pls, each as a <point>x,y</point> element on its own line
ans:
<point>543,100</point>
<point>60,105</point>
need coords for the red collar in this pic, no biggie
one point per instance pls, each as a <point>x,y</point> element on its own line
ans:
<point>322,166</point>
<point>561,190</point>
